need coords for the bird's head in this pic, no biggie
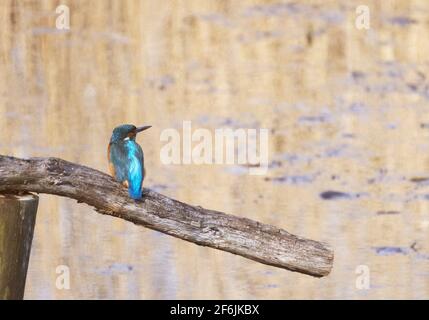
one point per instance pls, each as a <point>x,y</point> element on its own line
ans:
<point>126,132</point>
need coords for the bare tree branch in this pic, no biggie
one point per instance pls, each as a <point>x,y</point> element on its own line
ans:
<point>251,239</point>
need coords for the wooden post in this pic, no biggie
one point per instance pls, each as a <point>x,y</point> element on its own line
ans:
<point>17,220</point>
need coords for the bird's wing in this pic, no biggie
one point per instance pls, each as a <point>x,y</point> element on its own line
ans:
<point>118,161</point>
<point>141,157</point>
<point>135,169</point>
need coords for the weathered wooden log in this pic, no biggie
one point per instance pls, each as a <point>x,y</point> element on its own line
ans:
<point>17,220</point>
<point>257,241</point>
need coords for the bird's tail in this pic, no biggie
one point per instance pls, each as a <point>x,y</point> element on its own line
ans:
<point>135,191</point>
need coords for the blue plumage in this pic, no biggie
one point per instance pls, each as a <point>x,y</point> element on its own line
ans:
<point>126,159</point>
<point>135,169</point>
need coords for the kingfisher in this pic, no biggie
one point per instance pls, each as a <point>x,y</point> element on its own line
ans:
<point>126,159</point>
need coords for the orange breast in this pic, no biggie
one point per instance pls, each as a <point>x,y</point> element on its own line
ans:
<point>111,166</point>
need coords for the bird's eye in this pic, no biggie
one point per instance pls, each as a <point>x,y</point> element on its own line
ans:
<point>130,135</point>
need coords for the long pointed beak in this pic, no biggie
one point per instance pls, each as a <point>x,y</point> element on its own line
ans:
<point>140,129</point>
